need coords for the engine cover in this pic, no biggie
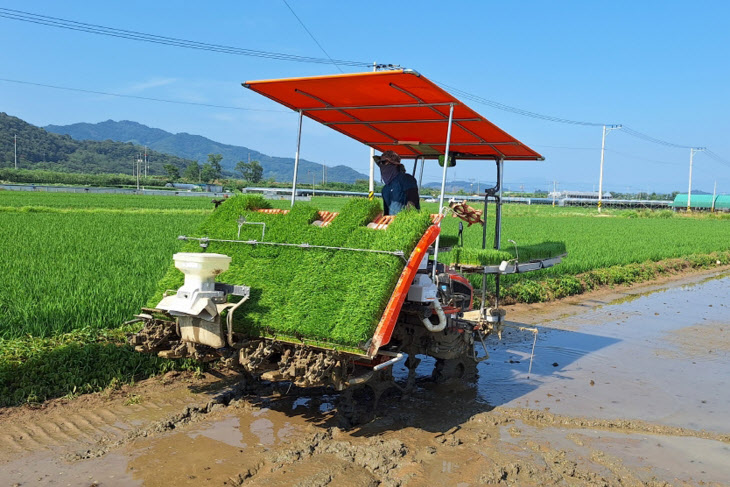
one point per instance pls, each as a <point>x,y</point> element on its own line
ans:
<point>423,290</point>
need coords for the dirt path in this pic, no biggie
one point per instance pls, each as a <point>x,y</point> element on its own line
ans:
<point>584,421</point>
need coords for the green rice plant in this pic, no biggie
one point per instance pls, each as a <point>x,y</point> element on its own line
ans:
<point>102,200</point>
<point>76,269</point>
<point>83,361</point>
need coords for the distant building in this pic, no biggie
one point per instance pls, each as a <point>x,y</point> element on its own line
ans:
<point>210,188</point>
<point>719,202</point>
<point>586,195</point>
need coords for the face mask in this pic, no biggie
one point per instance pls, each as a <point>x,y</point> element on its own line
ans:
<point>388,172</point>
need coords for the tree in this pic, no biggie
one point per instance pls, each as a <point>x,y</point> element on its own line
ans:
<point>208,173</point>
<point>192,171</point>
<point>250,171</point>
<point>215,163</point>
<point>172,171</point>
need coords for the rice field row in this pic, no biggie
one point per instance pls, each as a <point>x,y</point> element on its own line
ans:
<point>77,260</point>
<point>101,200</point>
<point>593,242</point>
<point>63,271</point>
<point>85,263</point>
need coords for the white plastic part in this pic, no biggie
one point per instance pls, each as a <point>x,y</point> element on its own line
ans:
<point>200,270</point>
<point>422,290</point>
<point>196,298</point>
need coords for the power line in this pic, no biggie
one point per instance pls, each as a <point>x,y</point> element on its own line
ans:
<point>716,157</point>
<point>164,40</point>
<point>519,111</point>
<point>188,44</point>
<point>312,36</point>
<point>632,156</point>
<point>146,98</point>
<point>649,138</point>
<point>563,147</point>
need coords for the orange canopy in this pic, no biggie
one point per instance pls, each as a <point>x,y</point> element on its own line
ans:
<point>397,110</point>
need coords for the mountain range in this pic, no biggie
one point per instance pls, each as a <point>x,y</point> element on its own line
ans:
<point>197,148</point>
<point>37,148</point>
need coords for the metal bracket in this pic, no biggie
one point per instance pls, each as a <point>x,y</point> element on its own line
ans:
<point>242,221</point>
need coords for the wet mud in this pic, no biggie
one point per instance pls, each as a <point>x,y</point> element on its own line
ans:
<point>626,388</point>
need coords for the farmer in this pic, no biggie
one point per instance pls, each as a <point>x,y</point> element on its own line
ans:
<point>401,189</point>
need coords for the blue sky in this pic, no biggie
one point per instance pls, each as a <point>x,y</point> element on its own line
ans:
<point>659,67</point>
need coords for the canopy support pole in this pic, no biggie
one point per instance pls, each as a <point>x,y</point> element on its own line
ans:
<point>371,181</point>
<point>296,160</point>
<point>498,228</point>
<point>443,188</point>
<point>420,176</point>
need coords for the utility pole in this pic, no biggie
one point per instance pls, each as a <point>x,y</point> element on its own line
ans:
<point>606,129</point>
<point>554,186</point>
<point>714,192</point>
<point>15,137</point>
<point>691,157</point>
<point>139,168</point>
<point>145,161</point>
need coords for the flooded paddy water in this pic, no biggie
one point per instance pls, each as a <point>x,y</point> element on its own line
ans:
<point>626,389</point>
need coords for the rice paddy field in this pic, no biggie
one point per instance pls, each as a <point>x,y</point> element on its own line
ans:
<point>76,266</point>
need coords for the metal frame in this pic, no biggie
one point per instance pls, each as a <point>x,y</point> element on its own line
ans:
<point>499,157</point>
<point>443,189</point>
<point>296,159</point>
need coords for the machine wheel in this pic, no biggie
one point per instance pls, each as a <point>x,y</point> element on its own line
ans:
<point>356,406</point>
<point>462,369</point>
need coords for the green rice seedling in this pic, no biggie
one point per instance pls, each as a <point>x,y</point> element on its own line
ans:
<point>332,296</point>
<point>525,253</point>
<point>471,256</point>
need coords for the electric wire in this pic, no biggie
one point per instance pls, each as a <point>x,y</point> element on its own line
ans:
<point>519,111</point>
<point>648,138</point>
<point>146,98</point>
<point>632,156</point>
<point>564,147</point>
<point>716,157</point>
<point>61,23</point>
<point>58,22</point>
<point>312,36</point>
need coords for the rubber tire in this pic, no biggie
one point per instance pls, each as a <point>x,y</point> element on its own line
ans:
<point>462,369</point>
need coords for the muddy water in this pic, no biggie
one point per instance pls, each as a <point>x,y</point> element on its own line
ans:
<point>626,392</point>
<point>662,357</point>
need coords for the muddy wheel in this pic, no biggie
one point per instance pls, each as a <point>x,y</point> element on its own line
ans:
<point>356,406</point>
<point>462,369</point>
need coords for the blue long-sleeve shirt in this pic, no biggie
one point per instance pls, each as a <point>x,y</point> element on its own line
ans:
<point>400,192</point>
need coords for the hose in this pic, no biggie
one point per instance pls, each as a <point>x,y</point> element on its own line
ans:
<point>442,319</point>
